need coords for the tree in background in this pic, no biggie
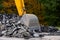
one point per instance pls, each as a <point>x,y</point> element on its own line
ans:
<point>49,12</point>
<point>58,12</point>
<point>8,6</point>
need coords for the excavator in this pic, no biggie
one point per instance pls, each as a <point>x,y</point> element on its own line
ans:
<point>26,19</point>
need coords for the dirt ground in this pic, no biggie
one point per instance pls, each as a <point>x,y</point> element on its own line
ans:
<point>43,38</point>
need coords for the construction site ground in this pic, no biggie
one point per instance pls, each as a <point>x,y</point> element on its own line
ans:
<point>40,38</point>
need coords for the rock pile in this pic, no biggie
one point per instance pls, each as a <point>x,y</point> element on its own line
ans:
<point>11,25</point>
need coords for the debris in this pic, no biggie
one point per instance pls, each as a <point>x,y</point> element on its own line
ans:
<point>25,26</point>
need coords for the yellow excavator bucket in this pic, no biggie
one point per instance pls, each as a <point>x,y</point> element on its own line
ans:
<point>20,6</point>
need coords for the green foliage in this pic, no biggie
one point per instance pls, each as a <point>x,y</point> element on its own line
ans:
<point>1,7</point>
<point>50,15</point>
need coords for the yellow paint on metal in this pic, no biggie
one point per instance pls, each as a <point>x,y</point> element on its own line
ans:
<point>20,6</point>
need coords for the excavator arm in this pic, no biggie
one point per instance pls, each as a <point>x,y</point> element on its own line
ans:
<point>20,7</point>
